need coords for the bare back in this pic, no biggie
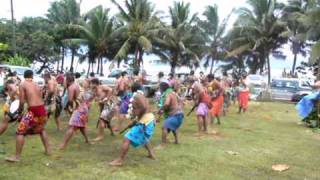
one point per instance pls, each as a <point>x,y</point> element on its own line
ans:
<point>172,104</point>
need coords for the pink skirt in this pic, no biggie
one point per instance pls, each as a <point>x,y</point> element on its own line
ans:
<point>80,116</point>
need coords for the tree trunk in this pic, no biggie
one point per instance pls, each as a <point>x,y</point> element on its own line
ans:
<point>98,65</point>
<point>88,71</point>
<point>58,65</point>
<point>318,74</point>
<point>92,63</point>
<point>140,58</point>
<point>101,67</point>
<point>72,59</point>
<point>136,57</point>
<point>294,63</point>
<point>62,60</point>
<point>211,68</point>
<point>269,70</point>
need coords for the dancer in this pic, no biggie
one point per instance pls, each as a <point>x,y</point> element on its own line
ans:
<point>13,94</point>
<point>217,99</point>
<point>243,97</point>
<point>34,120</point>
<point>107,105</point>
<point>173,113</point>
<point>202,101</point>
<point>52,99</point>
<point>78,106</point>
<point>141,131</point>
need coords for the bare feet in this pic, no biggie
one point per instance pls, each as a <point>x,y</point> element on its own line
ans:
<point>61,147</point>
<point>151,156</point>
<point>117,162</point>
<point>12,159</point>
<point>161,146</point>
<point>48,152</point>
<point>99,138</point>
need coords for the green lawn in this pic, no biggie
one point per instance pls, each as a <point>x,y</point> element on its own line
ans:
<point>270,133</point>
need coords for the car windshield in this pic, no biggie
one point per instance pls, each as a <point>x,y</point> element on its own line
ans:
<point>285,84</point>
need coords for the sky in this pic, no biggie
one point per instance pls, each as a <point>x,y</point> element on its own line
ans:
<point>39,8</point>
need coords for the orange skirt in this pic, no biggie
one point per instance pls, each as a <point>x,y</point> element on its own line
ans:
<point>217,106</point>
<point>243,99</point>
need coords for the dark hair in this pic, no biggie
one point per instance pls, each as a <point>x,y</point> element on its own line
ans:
<point>136,72</point>
<point>8,82</point>
<point>28,74</point>
<point>95,81</point>
<point>201,72</point>
<point>92,74</point>
<point>46,75</point>
<point>171,75</point>
<point>160,75</point>
<point>135,87</point>
<point>69,77</point>
<point>123,73</point>
<point>192,72</point>
<point>77,75</point>
<point>164,86</point>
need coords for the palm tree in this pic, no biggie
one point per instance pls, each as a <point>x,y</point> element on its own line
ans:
<point>311,20</point>
<point>141,25</point>
<point>181,43</point>
<point>97,33</point>
<point>296,30</point>
<point>214,31</point>
<point>62,14</point>
<point>259,31</point>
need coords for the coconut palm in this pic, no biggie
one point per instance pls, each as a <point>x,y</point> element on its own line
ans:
<point>311,20</point>
<point>62,14</point>
<point>140,26</point>
<point>296,30</point>
<point>259,31</point>
<point>96,33</point>
<point>214,29</point>
<point>182,42</point>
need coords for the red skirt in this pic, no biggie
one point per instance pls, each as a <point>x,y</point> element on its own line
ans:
<point>243,99</point>
<point>217,106</point>
<point>33,121</point>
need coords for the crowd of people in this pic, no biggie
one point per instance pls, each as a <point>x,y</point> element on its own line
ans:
<point>70,94</point>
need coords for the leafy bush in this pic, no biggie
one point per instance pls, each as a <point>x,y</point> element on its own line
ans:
<point>18,61</point>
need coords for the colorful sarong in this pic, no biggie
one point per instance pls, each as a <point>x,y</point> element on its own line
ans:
<point>79,117</point>
<point>202,109</point>
<point>243,99</point>
<point>124,103</point>
<point>217,106</point>
<point>108,111</point>
<point>173,122</point>
<point>33,122</point>
<point>141,133</point>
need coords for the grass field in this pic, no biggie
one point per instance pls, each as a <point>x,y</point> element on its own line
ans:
<point>270,133</point>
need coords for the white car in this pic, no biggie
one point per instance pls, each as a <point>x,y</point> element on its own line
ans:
<point>20,73</point>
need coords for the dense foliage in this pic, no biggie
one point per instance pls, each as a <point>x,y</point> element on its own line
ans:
<point>261,29</point>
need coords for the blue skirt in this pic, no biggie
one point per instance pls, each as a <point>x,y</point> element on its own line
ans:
<point>173,122</point>
<point>140,134</point>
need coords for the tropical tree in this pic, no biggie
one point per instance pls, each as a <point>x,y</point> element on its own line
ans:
<point>97,33</point>
<point>180,43</point>
<point>259,31</point>
<point>296,30</point>
<point>214,30</point>
<point>140,26</point>
<point>62,14</point>
<point>311,20</point>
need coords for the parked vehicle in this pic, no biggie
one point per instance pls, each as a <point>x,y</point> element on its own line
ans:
<point>285,89</point>
<point>20,73</point>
